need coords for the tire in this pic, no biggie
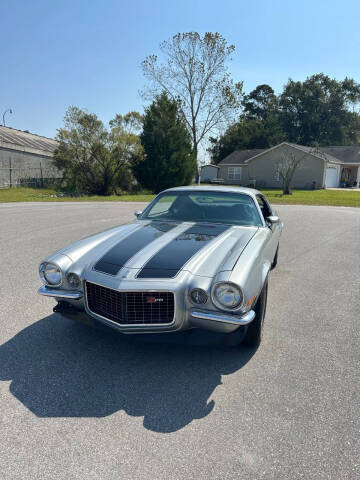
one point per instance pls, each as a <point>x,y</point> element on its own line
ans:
<point>274,263</point>
<point>254,329</point>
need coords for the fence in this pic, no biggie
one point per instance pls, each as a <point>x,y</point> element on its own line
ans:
<point>38,175</point>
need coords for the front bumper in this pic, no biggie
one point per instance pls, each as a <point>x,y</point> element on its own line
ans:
<point>203,319</point>
<point>71,305</point>
<point>61,294</point>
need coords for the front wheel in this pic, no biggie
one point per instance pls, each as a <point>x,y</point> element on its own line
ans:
<point>254,329</point>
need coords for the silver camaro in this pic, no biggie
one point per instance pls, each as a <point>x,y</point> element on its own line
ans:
<point>195,262</point>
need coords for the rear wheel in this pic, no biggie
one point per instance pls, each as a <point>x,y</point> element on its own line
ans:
<point>254,329</point>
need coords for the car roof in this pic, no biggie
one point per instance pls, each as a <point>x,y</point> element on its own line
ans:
<point>213,188</point>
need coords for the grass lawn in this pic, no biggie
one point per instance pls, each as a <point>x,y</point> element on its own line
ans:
<point>347,198</point>
<point>23,194</point>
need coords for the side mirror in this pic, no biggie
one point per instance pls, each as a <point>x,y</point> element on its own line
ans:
<point>137,213</point>
<point>273,219</point>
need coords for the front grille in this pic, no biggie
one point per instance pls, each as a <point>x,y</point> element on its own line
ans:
<point>130,308</point>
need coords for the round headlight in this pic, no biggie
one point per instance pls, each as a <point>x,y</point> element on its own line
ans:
<point>73,279</point>
<point>227,295</point>
<point>198,296</point>
<point>50,274</point>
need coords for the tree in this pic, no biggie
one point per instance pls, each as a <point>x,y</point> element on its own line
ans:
<point>258,127</point>
<point>246,134</point>
<point>194,74</point>
<point>260,103</point>
<point>129,124</point>
<point>317,111</point>
<point>94,159</point>
<point>169,159</point>
<point>289,163</point>
<point>285,169</point>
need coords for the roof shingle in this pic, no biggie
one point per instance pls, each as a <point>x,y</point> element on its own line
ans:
<point>240,156</point>
<point>349,154</point>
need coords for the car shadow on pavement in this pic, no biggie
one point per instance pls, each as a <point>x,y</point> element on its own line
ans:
<point>58,368</point>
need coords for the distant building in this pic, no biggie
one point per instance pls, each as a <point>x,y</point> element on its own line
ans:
<point>209,173</point>
<point>26,158</point>
<point>322,167</point>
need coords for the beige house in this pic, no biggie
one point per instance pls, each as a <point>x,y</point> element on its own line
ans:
<point>322,167</point>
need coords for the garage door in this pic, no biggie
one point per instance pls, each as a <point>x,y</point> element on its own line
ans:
<point>332,176</point>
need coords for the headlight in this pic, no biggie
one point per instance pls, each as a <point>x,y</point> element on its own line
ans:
<point>198,296</point>
<point>227,295</point>
<point>50,274</point>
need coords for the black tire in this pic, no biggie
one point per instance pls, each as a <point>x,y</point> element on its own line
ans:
<point>254,329</point>
<point>274,263</point>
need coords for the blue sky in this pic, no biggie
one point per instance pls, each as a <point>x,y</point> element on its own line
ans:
<point>87,53</point>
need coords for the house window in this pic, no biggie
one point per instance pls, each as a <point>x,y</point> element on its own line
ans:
<point>234,173</point>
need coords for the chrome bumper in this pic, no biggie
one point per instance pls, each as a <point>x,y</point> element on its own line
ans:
<point>203,319</point>
<point>223,318</point>
<point>64,294</point>
<point>220,322</point>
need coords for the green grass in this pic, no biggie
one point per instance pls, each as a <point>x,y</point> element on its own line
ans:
<point>23,194</point>
<point>344,198</point>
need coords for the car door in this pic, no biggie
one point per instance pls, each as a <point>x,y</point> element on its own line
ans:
<point>274,228</point>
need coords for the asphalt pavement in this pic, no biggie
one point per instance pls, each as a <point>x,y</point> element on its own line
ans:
<point>76,403</point>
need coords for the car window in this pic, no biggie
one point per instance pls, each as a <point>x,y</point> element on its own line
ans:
<point>203,206</point>
<point>162,207</point>
<point>264,206</point>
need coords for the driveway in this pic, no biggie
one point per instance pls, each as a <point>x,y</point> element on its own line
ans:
<point>82,404</point>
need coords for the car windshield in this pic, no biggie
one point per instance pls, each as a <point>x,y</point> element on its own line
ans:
<point>204,206</point>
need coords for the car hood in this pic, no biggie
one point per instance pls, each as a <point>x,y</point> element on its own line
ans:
<point>161,249</point>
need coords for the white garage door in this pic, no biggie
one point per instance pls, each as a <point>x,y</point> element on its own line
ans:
<point>332,176</point>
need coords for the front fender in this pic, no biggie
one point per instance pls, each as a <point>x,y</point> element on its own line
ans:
<point>252,268</point>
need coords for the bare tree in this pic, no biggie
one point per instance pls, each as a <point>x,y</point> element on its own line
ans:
<point>289,163</point>
<point>195,74</point>
<point>285,169</point>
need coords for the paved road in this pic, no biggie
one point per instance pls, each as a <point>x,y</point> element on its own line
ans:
<point>79,404</point>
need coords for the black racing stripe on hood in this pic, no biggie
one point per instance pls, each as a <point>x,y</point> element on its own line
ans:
<point>119,254</point>
<point>170,259</point>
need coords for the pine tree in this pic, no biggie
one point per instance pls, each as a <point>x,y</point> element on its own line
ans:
<point>169,159</point>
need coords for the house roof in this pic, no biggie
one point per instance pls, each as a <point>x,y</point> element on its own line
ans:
<point>240,156</point>
<point>336,154</point>
<point>25,141</point>
<point>344,154</point>
<point>317,151</point>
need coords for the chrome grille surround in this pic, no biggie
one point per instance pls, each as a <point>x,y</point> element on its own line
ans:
<point>130,308</point>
